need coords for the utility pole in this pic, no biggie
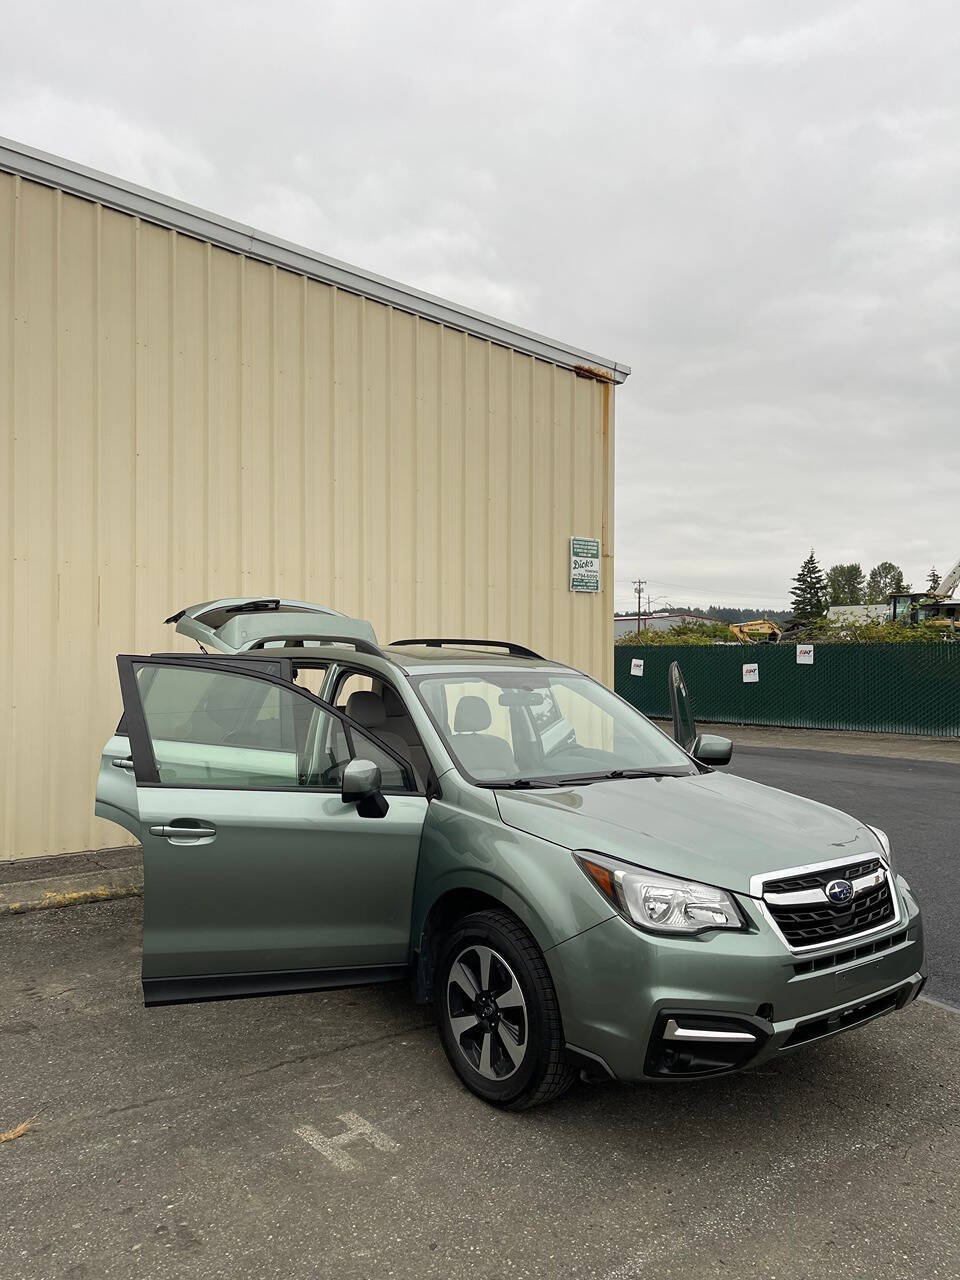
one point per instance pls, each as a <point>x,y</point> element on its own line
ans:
<point>639,584</point>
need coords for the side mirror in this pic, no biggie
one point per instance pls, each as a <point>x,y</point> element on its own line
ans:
<point>709,748</point>
<point>361,786</point>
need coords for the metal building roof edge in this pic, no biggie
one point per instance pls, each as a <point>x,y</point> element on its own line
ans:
<point>151,206</point>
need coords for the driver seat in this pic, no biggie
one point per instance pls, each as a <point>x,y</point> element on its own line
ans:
<point>368,709</point>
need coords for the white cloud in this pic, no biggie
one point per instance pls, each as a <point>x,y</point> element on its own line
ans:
<point>754,204</point>
<point>104,137</point>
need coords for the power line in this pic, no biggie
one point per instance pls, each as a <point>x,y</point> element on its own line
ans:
<point>713,591</point>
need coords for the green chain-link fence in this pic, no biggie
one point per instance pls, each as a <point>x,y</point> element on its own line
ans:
<point>880,688</point>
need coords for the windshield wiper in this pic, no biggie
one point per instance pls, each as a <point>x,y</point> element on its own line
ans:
<point>667,772</point>
<point>525,784</point>
<point>517,784</point>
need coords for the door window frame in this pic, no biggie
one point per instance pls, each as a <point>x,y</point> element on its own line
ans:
<point>146,772</point>
<point>345,669</point>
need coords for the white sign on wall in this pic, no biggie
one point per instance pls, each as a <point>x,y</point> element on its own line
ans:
<point>751,673</point>
<point>636,666</point>
<point>584,564</point>
<point>805,654</point>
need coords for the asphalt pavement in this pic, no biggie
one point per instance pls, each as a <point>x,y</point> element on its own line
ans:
<point>917,803</point>
<point>324,1137</point>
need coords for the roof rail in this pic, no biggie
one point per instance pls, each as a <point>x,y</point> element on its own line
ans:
<point>318,642</point>
<point>515,650</point>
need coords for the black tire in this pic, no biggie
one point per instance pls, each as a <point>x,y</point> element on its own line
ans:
<point>543,1072</point>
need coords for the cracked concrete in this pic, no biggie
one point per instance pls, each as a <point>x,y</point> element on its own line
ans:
<point>67,880</point>
<point>15,870</point>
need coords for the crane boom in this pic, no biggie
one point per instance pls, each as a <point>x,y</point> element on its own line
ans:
<point>948,584</point>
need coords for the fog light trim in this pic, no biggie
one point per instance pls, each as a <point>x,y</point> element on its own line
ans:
<point>673,1031</point>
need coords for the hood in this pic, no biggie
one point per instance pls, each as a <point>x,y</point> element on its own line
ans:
<point>710,827</point>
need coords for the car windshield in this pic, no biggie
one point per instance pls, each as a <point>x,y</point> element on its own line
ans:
<point>543,728</point>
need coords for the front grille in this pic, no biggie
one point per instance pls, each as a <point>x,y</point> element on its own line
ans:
<point>820,879</point>
<point>834,959</point>
<point>809,924</point>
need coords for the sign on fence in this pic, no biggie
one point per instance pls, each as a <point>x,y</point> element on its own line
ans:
<point>805,655</point>
<point>751,673</point>
<point>636,666</point>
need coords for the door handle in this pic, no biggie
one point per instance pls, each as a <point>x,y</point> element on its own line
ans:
<point>196,831</point>
<point>123,763</point>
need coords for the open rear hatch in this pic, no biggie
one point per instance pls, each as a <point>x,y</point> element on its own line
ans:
<point>253,622</point>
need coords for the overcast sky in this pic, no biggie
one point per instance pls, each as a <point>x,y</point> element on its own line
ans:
<point>756,204</point>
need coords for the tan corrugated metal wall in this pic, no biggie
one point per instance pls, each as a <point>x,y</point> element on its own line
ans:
<point>180,422</point>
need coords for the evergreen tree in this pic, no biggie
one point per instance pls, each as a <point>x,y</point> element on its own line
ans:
<point>845,584</point>
<point>933,580</point>
<point>885,579</point>
<point>810,593</point>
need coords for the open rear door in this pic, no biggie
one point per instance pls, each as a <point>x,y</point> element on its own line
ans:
<point>684,725</point>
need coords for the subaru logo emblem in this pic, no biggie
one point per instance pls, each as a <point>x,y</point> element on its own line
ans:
<point>839,892</point>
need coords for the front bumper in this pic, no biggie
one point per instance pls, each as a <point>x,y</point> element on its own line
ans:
<point>619,989</point>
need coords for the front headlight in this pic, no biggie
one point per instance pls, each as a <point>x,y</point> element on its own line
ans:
<point>660,903</point>
<point>884,841</point>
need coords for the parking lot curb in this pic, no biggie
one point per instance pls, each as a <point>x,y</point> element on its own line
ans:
<point>941,1004</point>
<point>68,891</point>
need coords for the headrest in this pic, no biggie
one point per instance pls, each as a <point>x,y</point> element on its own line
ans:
<point>392,702</point>
<point>366,708</point>
<point>472,715</point>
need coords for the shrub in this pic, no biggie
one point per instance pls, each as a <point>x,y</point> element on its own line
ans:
<point>820,631</point>
<point>686,633</point>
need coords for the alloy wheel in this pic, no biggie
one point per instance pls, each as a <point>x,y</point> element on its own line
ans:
<point>487,1012</point>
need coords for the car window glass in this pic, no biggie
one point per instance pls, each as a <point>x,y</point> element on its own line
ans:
<point>458,690</point>
<point>580,721</point>
<point>334,754</point>
<point>349,683</point>
<point>396,730</point>
<point>434,695</point>
<point>503,726</point>
<point>311,678</point>
<point>216,728</point>
<point>482,728</point>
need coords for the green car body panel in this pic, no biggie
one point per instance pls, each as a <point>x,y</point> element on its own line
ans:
<point>613,984</point>
<point>711,827</point>
<point>466,846</point>
<point>294,889</point>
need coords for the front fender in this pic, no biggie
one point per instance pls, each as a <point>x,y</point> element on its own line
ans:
<point>466,848</point>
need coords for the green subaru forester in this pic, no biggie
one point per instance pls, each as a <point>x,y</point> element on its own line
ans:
<point>577,893</point>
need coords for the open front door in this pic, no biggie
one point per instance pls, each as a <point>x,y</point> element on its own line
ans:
<point>258,876</point>
<point>684,725</point>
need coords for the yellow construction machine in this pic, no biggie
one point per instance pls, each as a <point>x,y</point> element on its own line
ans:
<point>756,631</point>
